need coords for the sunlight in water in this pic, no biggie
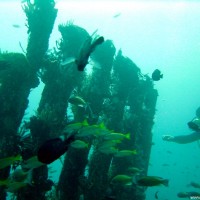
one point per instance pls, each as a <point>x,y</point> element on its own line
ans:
<point>111,5</point>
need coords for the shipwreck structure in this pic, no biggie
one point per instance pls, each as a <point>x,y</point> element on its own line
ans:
<point>118,94</point>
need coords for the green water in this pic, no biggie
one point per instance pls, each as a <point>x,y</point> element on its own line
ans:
<point>154,34</point>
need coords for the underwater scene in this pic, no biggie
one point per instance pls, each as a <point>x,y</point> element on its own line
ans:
<point>99,100</point>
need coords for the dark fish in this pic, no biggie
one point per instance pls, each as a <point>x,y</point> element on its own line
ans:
<point>195,185</point>
<point>195,194</point>
<point>16,25</point>
<point>156,195</point>
<point>96,42</point>
<point>5,162</point>
<point>87,48</point>
<point>52,149</point>
<point>149,181</point>
<point>188,194</point>
<point>116,15</point>
<point>156,75</point>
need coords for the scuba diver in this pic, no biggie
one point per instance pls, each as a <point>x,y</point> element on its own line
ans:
<point>194,125</point>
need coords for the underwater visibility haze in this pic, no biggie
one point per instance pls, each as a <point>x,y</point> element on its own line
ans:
<point>87,91</point>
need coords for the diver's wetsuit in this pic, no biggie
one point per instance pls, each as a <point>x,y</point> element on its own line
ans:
<point>184,139</point>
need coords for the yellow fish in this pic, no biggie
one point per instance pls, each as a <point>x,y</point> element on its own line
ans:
<point>75,127</point>
<point>32,163</point>
<point>124,153</point>
<point>117,136</point>
<point>109,143</point>
<point>134,170</point>
<point>93,130</point>
<point>5,162</point>
<point>108,150</point>
<point>79,144</point>
<point>149,181</point>
<point>77,101</point>
<point>121,179</point>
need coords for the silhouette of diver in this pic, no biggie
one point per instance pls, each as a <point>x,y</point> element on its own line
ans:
<point>184,139</point>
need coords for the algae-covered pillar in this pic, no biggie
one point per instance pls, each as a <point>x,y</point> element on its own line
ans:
<point>16,79</point>
<point>140,121</point>
<point>51,115</point>
<point>97,88</point>
<point>70,78</point>
<point>139,100</point>
<point>61,79</point>
<point>41,15</point>
<point>96,92</point>
<point>125,77</point>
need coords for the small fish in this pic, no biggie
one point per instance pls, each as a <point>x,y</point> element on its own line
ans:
<point>52,149</point>
<point>4,182</point>
<point>195,185</point>
<point>124,153</point>
<point>156,195</point>
<point>116,15</point>
<point>31,163</point>
<point>117,136</point>
<point>134,170</point>
<point>109,143</point>
<point>108,150</point>
<point>156,75</point>
<point>77,101</point>
<point>103,131</point>
<point>94,130</point>
<point>5,162</point>
<point>149,181</point>
<point>182,195</point>
<point>16,25</point>
<point>74,127</point>
<point>121,179</point>
<point>79,144</point>
<point>188,194</point>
